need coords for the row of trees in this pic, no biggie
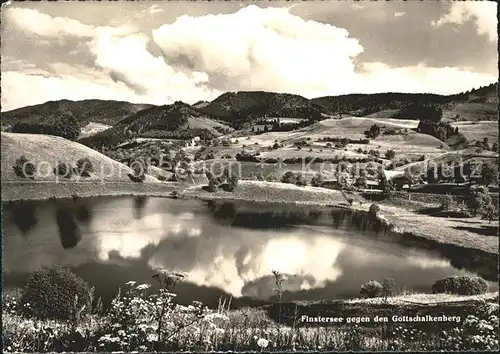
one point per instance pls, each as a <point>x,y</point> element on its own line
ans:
<point>65,126</point>
<point>485,174</point>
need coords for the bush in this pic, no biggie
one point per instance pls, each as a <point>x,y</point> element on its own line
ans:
<point>272,177</point>
<point>232,181</point>
<point>388,287</point>
<point>300,180</point>
<point>460,285</point>
<point>212,182</point>
<point>261,177</point>
<point>317,180</point>
<point>84,167</point>
<point>63,169</point>
<point>139,166</point>
<point>390,154</point>
<point>56,293</point>
<point>478,199</point>
<point>448,203</point>
<point>374,209</point>
<point>371,289</point>
<point>24,168</point>
<point>289,177</point>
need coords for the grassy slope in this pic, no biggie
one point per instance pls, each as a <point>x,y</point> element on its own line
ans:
<point>478,130</point>
<point>99,111</point>
<point>46,151</point>
<point>349,127</point>
<point>272,192</point>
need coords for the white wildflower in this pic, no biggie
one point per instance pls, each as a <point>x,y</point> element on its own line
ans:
<point>143,286</point>
<point>263,343</point>
<point>131,283</point>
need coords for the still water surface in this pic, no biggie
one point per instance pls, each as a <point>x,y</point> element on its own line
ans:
<point>225,248</point>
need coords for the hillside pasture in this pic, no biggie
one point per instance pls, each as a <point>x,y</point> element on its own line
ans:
<point>478,130</point>
<point>45,151</point>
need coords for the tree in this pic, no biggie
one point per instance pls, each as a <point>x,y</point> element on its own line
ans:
<point>373,132</point>
<point>289,177</point>
<point>24,168</point>
<point>271,177</point>
<point>387,186</point>
<point>317,180</point>
<point>212,181</point>
<point>494,147</point>
<point>478,199</point>
<point>84,167</point>
<point>488,175</point>
<point>361,181</point>
<point>486,144</point>
<point>300,180</point>
<point>388,288</point>
<point>432,175</point>
<point>232,179</point>
<point>390,154</point>
<point>408,177</point>
<point>261,177</point>
<point>67,127</point>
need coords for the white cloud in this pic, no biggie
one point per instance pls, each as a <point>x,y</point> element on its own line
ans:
<point>399,14</point>
<point>251,49</point>
<point>483,13</point>
<point>155,9</point>
<point>36,22</point>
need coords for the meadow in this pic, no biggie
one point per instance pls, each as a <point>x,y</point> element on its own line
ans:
<point>139,320</point>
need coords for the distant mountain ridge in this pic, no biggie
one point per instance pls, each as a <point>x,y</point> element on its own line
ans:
<point>98,111</point>
<point>175,121</point>
<point>235,109</point>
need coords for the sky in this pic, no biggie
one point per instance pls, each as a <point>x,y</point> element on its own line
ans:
<point>159,52</point>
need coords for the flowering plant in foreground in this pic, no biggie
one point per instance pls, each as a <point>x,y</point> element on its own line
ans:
<point>138,322</point>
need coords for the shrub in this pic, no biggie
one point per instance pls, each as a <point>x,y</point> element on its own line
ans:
<point>489,212</point>
<point>300,180</point>
<point>374,209</point>
<point>371,289</point>
<point>448,203</point>
<point>140,168</point>
<point>272,177</point>
<point>373,132</point>
<point>388,287</point>
<point>232,181</point>
<point>84,167</point>
<point>56,293</point>
<point>261,177</point>
<point>478,199</point>
<point>212,182</point>
<point>317,180</point>
<point>390,154</point>
<point>24,168</point>
<point>289,177</point>
<point>361,182</point>
<point>63,169</point>
<point>460,285</point>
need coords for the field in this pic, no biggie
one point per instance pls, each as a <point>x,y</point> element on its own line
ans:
<point>478,130</point>
<point>46,151</point>
<point>132,324</point>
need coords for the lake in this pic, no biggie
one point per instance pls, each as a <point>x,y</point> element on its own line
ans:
<point>226,249</point>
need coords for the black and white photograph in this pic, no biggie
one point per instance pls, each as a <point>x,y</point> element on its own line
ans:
<point>249,176</point>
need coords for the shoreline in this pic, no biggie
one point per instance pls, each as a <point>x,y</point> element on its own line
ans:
<point>406,224</point>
